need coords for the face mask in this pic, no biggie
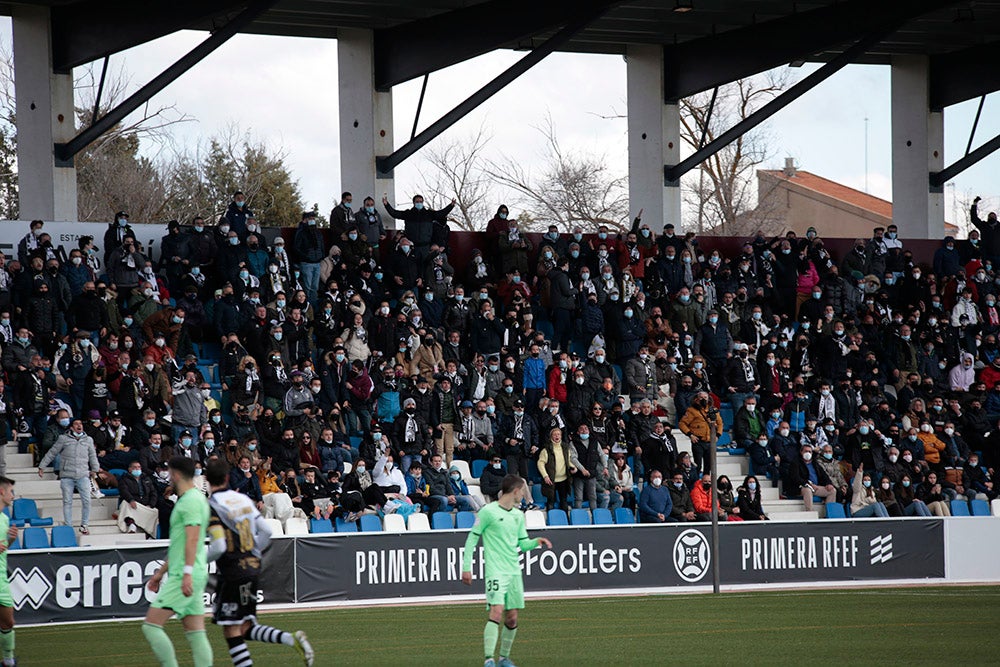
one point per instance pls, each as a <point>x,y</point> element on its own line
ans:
<point>829,428</point>
<point>585,437</point>
<point>278,336</point>
<point>752,486</point>
<point>762,442</point>
<point>209,445</point>
<point>216,419</point>
<point>949,431</point>
<point>185,442</point>
<point>656,481</point>
<point>698,365</point>
<point>579,380</point>
<point>863,430</point>
<point>628,313</point>
<point>907,457</point>
<point>419,206</point>
<point>867,483</point>
<point>807,457</point>
<point>713,319</point>
<point>784,432</point>
<point>599,358</point>
<point>913,438</point>
<point>456,476</point>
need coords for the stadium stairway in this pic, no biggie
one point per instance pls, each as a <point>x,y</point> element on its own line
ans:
<point>736,467</point>
<point>48,497</point>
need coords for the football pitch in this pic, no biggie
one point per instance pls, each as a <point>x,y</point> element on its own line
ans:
<point>891,625</point>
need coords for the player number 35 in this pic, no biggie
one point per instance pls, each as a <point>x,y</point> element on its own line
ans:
<point>492,585</point>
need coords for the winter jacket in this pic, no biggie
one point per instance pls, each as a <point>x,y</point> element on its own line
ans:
<point>77,456</point>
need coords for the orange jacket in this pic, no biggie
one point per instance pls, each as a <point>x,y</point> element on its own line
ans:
<point>701,498</point>
<point>932,447</point>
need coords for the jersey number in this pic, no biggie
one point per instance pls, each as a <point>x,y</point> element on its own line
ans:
<point>246,535</point>
<point>492,585</point>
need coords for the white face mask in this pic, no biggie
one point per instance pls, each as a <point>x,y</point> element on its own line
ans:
<point>656,481</point>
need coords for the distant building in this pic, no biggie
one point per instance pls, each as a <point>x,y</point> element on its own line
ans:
<point>792,199</point>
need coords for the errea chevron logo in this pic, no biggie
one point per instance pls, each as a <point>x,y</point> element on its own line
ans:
<point>881,549</point>
<point>31,588</point>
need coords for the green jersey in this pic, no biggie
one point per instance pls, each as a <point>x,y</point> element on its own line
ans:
<point>4,527</point>
<point>191,509</point>
<point>504,537</point>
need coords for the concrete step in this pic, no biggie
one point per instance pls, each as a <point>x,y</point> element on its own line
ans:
<point>21,475</point>
<point>777,505</point>
<point>103,509</point>
<point>38,488</point>
<point>17,461</point>
<point>793,516</point>
<point>111,539</point>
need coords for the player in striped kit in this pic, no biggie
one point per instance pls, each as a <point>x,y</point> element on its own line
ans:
<point>238,536</point>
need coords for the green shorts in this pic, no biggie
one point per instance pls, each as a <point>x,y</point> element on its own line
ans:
<point>506,590</point>
<point>6,600</point>
<point>171,597</point>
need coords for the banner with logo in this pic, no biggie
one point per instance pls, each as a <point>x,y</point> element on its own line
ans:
<point>99,584</point>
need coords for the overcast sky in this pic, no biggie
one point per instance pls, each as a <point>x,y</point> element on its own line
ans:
<point>285,91</point>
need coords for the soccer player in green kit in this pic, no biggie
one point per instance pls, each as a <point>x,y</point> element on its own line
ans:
<point>8,534</point>
<point>501,526</point>
<point>183,592</point>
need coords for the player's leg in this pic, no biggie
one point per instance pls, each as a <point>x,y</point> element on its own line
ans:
<point>513,601</point>
<point>152,630</point>
<point>491,633</point>
<point>244,600</point>
<point>238,651</point>
<point>194,632</point>
<point>7,633</point>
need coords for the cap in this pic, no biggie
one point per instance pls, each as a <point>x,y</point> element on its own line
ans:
<point>121,214</point>
<point>114,414</point>
<point>297,374</point>
<point>519,403</point>
<point>669,225</point>
<point>376,427</point>
<point>466,404</point>
<point>857,275</point>
<point>94,414</point>
<point>422,380</point>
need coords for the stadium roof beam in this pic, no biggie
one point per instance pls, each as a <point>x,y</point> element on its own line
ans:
<point>413,49</point>
<point>701,64</point>
<point>938,179</point>
<point>83,32</point>
<point>64,153</point>
<point>962,75</point>
<point>386,163</point>
<point>672,173</point>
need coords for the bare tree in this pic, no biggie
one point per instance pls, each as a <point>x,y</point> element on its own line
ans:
<point>456,169</point>
<point>724,197</point>
<point>574,187</point>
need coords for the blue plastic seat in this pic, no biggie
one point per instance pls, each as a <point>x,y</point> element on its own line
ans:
<point>959,508</point>
<point>536,495</point>
<point>602,517</point>
<point>25,509</point>
<point>442,521</point>
<point>320,526</point>
<point>624,516</point>
<point>579,517</point>
<point>558,518</point>
<point>835,511</point>
<point>36,538</point>
<point>18,523</point>
<point>980,508</point>
<point>346,526</point>
<point>117,472</point>
<point>63,537</point>
<point>465,520</point>
<point>724,440</point>
<point>355,441</point>
<point>370,523</point>
<point>477,467</point>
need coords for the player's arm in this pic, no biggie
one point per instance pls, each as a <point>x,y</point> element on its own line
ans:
<point>217,544</point>
<point>191,546</point>
<point>471,542</point>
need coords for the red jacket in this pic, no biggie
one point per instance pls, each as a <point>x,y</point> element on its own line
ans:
<point>701,499</point>
<point>556,387</point>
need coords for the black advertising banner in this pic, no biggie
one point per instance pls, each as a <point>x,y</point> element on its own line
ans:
<point>371,565</point>
<point>831,551</point>
<point>99,584</point>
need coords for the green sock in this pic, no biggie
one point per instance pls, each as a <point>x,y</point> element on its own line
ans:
<point>201,650</point>
<point>7,643</point>
<point>162,647</point>
<point>490,634</point>
<point>507,640</point>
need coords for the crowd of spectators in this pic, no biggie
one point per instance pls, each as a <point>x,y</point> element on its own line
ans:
<point>356,364</point>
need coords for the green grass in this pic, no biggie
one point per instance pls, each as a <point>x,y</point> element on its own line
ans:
<point>914,625</point>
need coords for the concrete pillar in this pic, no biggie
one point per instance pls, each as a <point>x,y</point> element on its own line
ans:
<point>45,116</point>
<point>365,120</point>
<point>917,150</point>
<point>653,139</point>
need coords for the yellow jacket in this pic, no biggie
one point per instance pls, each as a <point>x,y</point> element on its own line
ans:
<point>695,423</point>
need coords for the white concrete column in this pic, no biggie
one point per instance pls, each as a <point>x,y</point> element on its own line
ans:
<point>917,149</point>
<point>365,120</point>
<point>653,139</point>
<point>45,116</point>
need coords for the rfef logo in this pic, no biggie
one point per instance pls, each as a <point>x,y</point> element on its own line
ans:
<point>692,555</point>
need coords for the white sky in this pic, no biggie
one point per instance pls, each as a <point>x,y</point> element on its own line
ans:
<point>284,90</point>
